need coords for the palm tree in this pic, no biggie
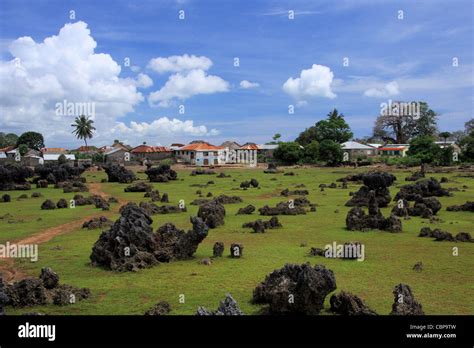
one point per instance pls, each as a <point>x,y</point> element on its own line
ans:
<point>83,128</point>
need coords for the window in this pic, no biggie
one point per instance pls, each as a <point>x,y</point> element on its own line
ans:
<point>215,153</point>
<point>206,154</point>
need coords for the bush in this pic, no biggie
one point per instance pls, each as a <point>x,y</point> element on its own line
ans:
<point>424,148</point>
<point>289,153</point>
<point>330,152</point>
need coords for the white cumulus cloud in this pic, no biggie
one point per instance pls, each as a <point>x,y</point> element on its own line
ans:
<point>185,85</point>
<point>390,89</point>
<point>247,84</point>
<point>179,63</point>
<point>313,82</point>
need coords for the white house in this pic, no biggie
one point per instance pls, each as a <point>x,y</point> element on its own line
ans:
<point>201,154</point>
<point>353,150</point>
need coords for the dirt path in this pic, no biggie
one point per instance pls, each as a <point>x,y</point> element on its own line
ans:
<point>8,270</point>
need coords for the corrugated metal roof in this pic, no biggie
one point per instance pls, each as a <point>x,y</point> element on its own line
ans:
<point>354,145</point>
<point>149,149</point>
<point>55,157</point>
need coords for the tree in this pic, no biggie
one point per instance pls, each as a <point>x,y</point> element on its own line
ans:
<point>330,151</point>
<point>33,140</point>
<point>311,152</point>
<point>444,135</point>
<point>333,128</point>
<point>62,159</point>
<point>83,128</point>
<point>288,153</point>
<point>424,148</point>
<point>23,149</point>
<point>400,127</point>
<point>467,146</point>
<point>469,126</point>
<point>276,137</point>
<point>458,136</point>
<point>9,139</point>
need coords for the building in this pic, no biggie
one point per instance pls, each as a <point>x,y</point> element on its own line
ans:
<point>247,154</point>
<point>201,154</point>
<point>49,158</point>
<point>393,150</point>
<point>117,155</point>
<point>353,150</point>
<point>87,150</point>
<point>267,150</point>
<point>150,153</point>
<point>175,146</point>
<point>53,150</point>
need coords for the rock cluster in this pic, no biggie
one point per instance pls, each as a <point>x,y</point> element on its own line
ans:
<point>272,169</point>
<point>346,303</point>
<point>283,208</point>
<point>260,226</point>
<point>404,302</point>
<point>120,174</point>
<point>378,182</point>
<point>424,188</point>
<point>14,176</point>
<point>161,173</point>
<point>212,213</point>
<point>55,173</point>
<point>249,209</point>
<point>153,209</point>
<point>358,220</point>
<point>248,184</point>
<point>439,235</point>
<point>228,306</point>
<point>44,290</point>
<point>295,289</point>
<point>161,308</point>
<point>287,192</point>
<point>130,243</point>
<point>202,172</point>
<point>218,249</point>
<point>138,187</point>
<point>468,206</point>
<point>97,222</point>
<point>48,204</point>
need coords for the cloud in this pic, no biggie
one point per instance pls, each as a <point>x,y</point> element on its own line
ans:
<point>390,89</point>
<point>144,81</point>
<point>183,86</point>
<point>179,63</point>
<point>313,82</point>
<point>63,67</point>
<point>247,84</point>
<point>163,130</point>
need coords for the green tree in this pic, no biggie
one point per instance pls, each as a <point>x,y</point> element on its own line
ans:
<point>9,139</point>
<point>444,135</point>
<point>311,152</point>
<point>469,126</point>
<point>276,137</point>
<point>23,148</point>
<point>330,152</point>
<point>467,147</point>
<point>333,128</point>
<point>288,153</point>
<point>83,128</point>
<point>32,140</point>
<point>424,148</point>
<point>62,159</point>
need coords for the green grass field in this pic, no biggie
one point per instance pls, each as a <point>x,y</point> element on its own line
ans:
<point>445,286</point>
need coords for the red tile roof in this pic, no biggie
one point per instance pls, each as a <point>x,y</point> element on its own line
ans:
<point>200,147</point>
<point>391,148</point>
<point>149,149</point>
<point>249,147</point>
<point>53,150</point>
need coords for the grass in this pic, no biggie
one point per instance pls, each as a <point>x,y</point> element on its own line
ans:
<point>443,287</point>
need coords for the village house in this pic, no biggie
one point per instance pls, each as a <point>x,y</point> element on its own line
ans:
<point>201,154</point>
<point>117,155</point>
<point>144,152</point>
<point>393,150</point>
<point>353,150</point>
<point>247,154</point>
<point>53,150</point>
<point>266,150</point>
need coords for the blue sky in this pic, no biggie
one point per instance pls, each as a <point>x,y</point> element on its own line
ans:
<point>389,58</point>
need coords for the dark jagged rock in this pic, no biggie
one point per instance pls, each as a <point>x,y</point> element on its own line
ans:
<point>260,226</point>
<point>42,184</point>
<point>245,184</point>
<point>200,201</point>
<point>48,204</point>
<point>161,308</point>
<point>254,182</point>
<point>295,289</point>
<point>164,198</point>
<point>202,172</point>
<point>236,250</point>
<point>55,173</point>
<point>424,188</point>
<point>138,187</point>
<point>161,173</point>
<point>222,175</point>
<point>218,249</point>
<point>404,302</point>
<point>36,195</point>
<point>417,175</point>
<point>212,213</point>
<point>223,199</point>
<point>130,243</point>
<point>97,222</point>
<point>282,208</point>
<point>468,206</point>
<point>289,174</point>
<point>228,306</point>
<point>317,252</point>
<point>425,207</point>
<point>249,209</point>
<point>62,203</point>
<point>120,174</point>
<point>357,178</point>
<point>287,192</point>
<point>464,237</point>
<point>439,235</point>
<point>272,169</point>
<point>357,220</point>
<point>175,244</point>
<point>43,291</point>
<point>153,194</point>
<point>418,266</point>
<point>346,303</point>
<point>72,186</point>
<point>401,208</point>
<point>49,277</point>
<point>379,182</point>
<point>6,198</point>
<point>209,194</point>
<point>4,299</point>
<point>153,209</point>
